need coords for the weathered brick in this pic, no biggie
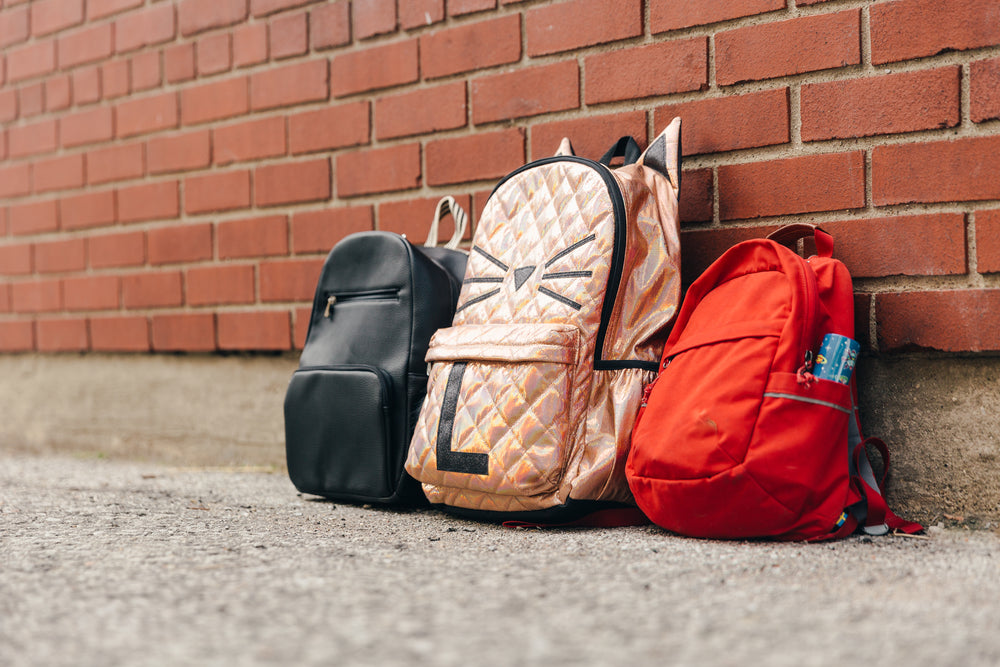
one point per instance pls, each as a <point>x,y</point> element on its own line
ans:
<point>646,71</point>
<point>984,90</point>
<point>146,114</point>
<point>300,326</point>
<point>471,46</point>
<point>264,7</point>
<point>250,140</point>
<point>804,44</point>
<point>86,85</point>
<point>329,127</point>
<point>526,92</point>
<point>119,333</point>
<point>253,237</point>
<point>565,26</point>
<point>99,9</point>
<point>373,68</point>
<point>215,101</point>
<point>178,63</point>
<point>380,170</point>
<point>31,60</point>
<point>17,336</point>
<point>667,15</point>
<point>62,334</point>
<point>31,99</point>
<point>319,231</point>
<point>115,163</point>
<point>58,173</point>
<point>33,218</point>
<point>289,85</point>
<point>330,25</point>
<point>962,320</point>
<point>152,289</point>
<point>255,330</point>
<point>85,46</point>
<point>696,196</point>
<point>91,292</point>
<point>16,259</point>
<point>292,182</point>
<point>35,138</point>
<point>183,332</point>
<point>116,250</point>
<point>15,180</point>
<point>220,285</point>
<point>214,54</point>
<point>487,155</point>
<point>420,111</point>
<point>289,36</point>
<point>250,44</point>
<point>418,13</point>
<point>186,151</point>
<point>412,217</point>
<point>58,93</point>
<point>115,79</point>
<point>907,29</point>
<point>146,27</point>
<point>60,256</point>
<point>591,135</point>
<point>373,17</point>
<point>197,15</point>
<point>827,182</point>
<point>90,209</point>
<point>15,26</point>
<point>8,105</point>
<point>462,7</point>
<point>217,192</point>
<point>987,241</point>
<point>936,171</point>
<point>903,102</point>
<point>289,280</point>
<point>731,123</point>
<point>149,201</point>
<point>86,127</point>
<point>49,16</point>
<point>36,296</point>
<point>180,243</point>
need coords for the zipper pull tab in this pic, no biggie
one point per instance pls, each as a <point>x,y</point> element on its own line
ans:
<point>646,391</point>
<point>330,301</point>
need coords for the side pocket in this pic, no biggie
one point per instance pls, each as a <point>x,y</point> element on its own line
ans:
<point>337,432</point>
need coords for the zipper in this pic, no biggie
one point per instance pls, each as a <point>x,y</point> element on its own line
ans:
<point>803,399</point>
<point>386,294</point>
<point>811,316</point>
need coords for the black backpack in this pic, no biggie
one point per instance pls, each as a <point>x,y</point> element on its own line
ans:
<point>352,404</point>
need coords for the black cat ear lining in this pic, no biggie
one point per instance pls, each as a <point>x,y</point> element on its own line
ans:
<point>664,154</point>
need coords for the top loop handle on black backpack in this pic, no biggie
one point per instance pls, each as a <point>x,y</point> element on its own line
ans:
<point>445,206</point>
<point>789,235</point>
<point>626,148</point>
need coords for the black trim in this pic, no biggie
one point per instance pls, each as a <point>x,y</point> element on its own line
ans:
<point>503,267</point>
<point>481,297</point>
<point>560,298</point>
<point>571,510</point>
<point>483,280</point>
<point>566,274</point>
<point>562,253</point>
<point>472,463</point>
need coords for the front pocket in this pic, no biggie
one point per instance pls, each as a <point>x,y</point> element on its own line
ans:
<point>497,415</point>
<point>337,432</point>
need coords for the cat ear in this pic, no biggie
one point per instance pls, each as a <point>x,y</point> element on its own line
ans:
<point>664,153</point>
<point>565,148</point>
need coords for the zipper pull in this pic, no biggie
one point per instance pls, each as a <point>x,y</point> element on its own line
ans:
<point>646,391</point>
<point>330,301</point>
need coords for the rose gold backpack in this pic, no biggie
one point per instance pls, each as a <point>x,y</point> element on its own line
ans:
<point>572,281</point>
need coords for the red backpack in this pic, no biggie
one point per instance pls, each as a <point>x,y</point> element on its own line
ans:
<point>736,437</point>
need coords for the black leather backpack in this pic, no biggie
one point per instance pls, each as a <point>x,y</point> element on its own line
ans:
<point>352,404</point>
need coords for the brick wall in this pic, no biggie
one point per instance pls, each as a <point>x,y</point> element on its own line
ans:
<point>173,172</point>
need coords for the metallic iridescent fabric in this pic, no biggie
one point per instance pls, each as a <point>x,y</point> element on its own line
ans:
<point>523,341</point>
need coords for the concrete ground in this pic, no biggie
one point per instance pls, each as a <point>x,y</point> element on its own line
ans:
<point>115,563</point>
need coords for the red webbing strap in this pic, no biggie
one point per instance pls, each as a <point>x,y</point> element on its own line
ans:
<point>878,510</point>
<point>606,518</point>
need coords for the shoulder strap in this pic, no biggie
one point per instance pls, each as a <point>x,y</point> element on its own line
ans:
<point>789,234</point>
<point>625,148</point>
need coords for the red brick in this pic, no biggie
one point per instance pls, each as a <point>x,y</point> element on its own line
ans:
<point>35,59</point>
<point>217,192</point>
<point>183,332</point>
<point>250,140</point>
<point>253,237</point>
<point>33,139</point>
<point>181,243</point>
<point>487,155</point>
<point>215,101</point>
<point>49,16</point>
<point>915,245</point>
<point>8,105</point>
<point>220,285</point>
<point>31,99</point>
<point>328,128</point>
<point>804,44</point>
<point>16,260</point>
<point>178,63</point>
<point>380,170</point>
<point>300,326</point>
<point>319,231</point>
<point>330,25</point>
<point>265,7</point>
<point>289,36</point>
<point>62,334</point>
<point>695,203</point>
<point>418,13</point>
<point>115,79</point>
<point>292,182</point>
<point>186,151</point>
<point>250,44</point>
<point>86,84</point>
<point>471,46</point>
<point>526,92</point>
<point>908,29</point>
<point>86,127</point>
<point>146,114</point>
<point>269,330</point>
<point>91,292</point>
<point>15,180</point>
<point>985,90</point>
<point>98,9</point>
<point>17,336</point>
<point>33,218</point>
<point>289,85</point>
<point>36,296</point>
<point>149,201</point>
<point>85,46</point>
<point>146,73</point>
<point>961,170</point>
<point>147,27</point>
<point>15,26</point>
<point>646,71</point>
<point>115,163</point>
<point>58,93</point>
<point>60,256</point>
<point>377,67</point>
<point>116,250</point>
<point>828,182</point>
<point>667,15</point>
<point>565,26</point>
<point>197,15</point>
<point>903,102</point>
<point>289,280</point>
<point>373,17</point>
<point>420,111</point>
<point>412,217</point>
<point>963,320</point>
<point>152,289</point>
<point>119,334</point>
<point>731,123</point>
<point>90,209</point>
<point>987,241</point>
<point>214,53</point>
<point>462,7</point>
<point>58,173</point>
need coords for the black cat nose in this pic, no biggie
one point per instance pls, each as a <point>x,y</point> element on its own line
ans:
<point>521,275</point>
